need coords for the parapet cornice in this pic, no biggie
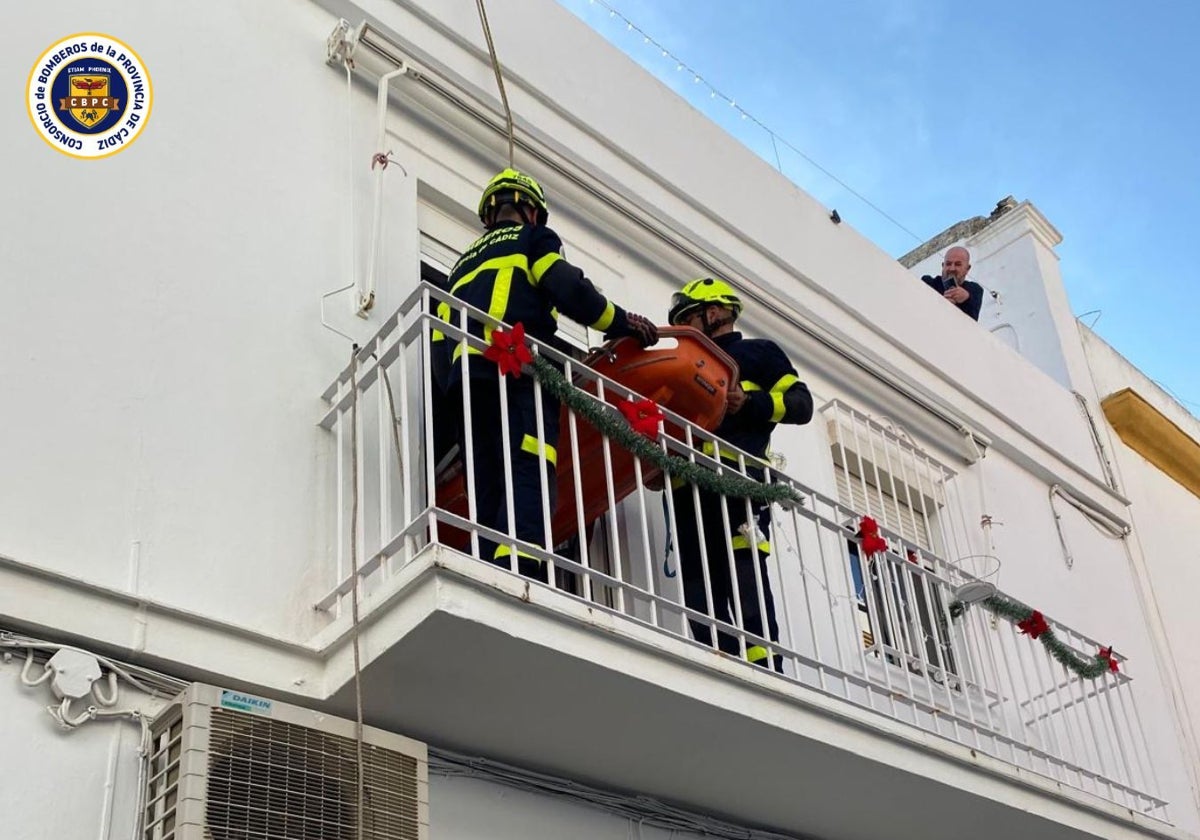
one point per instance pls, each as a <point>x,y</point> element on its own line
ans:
<point>1023,218</point>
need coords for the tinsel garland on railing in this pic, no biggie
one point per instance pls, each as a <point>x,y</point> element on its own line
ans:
<point>1032,623</point>
<point>613,425</point>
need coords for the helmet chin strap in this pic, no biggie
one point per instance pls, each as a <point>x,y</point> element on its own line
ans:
<point>712,326</point>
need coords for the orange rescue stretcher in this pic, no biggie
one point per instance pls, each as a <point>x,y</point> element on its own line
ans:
<point>685,372</point>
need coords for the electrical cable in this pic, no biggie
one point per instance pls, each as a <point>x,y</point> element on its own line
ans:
<point>154,683</point>
<point>1098,521</point>
<point>644,811</point>
<point>746,115</point>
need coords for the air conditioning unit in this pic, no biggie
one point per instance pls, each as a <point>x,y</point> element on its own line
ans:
<point>226,765</point>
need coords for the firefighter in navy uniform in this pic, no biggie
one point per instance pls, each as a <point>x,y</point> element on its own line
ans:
<point>515,273</point>
<point>769,393</point>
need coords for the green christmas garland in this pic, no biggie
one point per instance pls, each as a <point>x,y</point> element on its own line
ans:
<point>1032,622</point>
<point>614,426</point>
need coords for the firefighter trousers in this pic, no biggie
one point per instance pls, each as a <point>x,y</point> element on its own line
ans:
<point>719,544</point>
<point>531,457</point>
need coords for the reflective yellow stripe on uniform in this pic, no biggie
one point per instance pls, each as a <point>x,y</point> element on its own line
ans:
<point>495,264</point>
<point>504,268</point>
<point>505,551</point>
<point>756,653</point>
<point>606,318</point>
<point>709,448</point>
<point>443,312</point>
<point>740,541</point>
<point>542,266</point>
<point>777,391</point>
<point>530,444</point>
<point>458,352</point>
<point>499,305</point>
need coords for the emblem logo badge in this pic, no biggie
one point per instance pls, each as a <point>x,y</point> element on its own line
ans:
<point>89,95</point>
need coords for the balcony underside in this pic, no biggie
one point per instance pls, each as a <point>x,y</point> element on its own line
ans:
<point>475,659</point>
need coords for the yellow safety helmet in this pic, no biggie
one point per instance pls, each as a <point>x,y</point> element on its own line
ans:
<point>513,187</point>
<point>700,293</point>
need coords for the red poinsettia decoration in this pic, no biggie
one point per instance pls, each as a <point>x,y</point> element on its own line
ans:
<point>872,543</point>
<point>508,350</point>
<point>1106,655</point>
<point>643,415</point>
<point>1035,625</point>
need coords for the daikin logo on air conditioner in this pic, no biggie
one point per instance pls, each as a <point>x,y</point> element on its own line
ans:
<point>245,703</point>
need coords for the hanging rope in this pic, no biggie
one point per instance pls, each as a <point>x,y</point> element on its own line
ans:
<point>394,417</point>
<point>358,697</point>
<point>508,120</point>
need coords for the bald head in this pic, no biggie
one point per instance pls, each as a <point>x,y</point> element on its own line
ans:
<point>956,263</point>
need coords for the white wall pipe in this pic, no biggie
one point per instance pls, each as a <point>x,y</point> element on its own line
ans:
<point>379,163</point>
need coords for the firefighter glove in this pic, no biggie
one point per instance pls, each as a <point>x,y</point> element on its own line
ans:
<point>641,328</point>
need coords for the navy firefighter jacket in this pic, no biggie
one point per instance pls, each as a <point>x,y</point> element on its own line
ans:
<point>774,393</point>
<point>515,273</point>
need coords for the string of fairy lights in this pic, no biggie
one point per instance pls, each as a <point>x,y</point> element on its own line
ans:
<point>777,140</point>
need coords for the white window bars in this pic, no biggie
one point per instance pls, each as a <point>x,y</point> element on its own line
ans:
<point>969,679</point>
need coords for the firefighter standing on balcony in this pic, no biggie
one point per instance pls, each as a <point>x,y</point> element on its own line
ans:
<point>769,393</point>
<point>515,273</point>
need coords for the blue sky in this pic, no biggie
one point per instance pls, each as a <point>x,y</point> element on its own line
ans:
<point>935,109</point>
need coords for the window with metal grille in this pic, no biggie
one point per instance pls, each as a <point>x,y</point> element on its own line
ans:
<point>880,473</point>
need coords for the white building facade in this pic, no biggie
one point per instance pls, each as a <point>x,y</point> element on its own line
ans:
<point>201,487</point>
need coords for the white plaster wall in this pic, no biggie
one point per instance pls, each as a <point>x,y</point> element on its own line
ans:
<point>168,378</point>
<point>1164,516</point>
<point>70,785</point>
<point>474,809</point>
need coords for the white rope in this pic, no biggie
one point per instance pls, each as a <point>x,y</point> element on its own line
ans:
<point>396,423</point>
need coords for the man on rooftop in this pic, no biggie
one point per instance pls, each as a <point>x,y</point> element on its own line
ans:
<point>953,285</point>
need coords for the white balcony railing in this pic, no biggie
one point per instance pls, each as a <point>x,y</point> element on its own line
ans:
<point>876,632</point>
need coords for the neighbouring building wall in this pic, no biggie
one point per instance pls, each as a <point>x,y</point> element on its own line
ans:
<point>1164,514</point>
